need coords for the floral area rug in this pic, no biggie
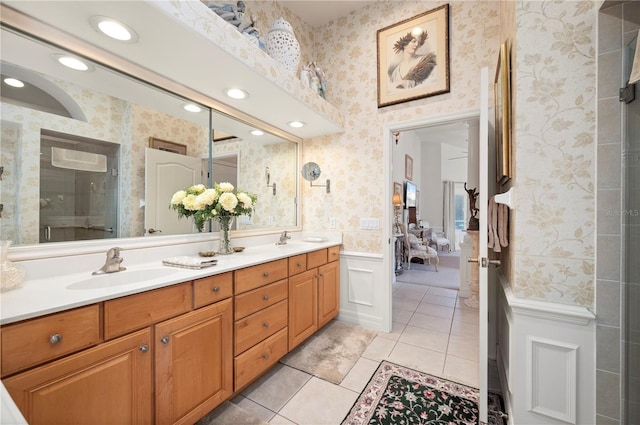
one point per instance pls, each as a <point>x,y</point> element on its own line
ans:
<point>399,395</point>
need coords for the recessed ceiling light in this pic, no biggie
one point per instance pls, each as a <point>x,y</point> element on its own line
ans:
<point>296,124</point>
<point>237,94</point>
<point>192,108</point>
<point>13,82</point>
<point>257,132</point>
<point>72,62</point>
<point>114,29</point>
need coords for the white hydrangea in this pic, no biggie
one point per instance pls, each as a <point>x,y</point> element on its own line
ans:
<point>226,187</point>
<point>199,188</point>
<point>228,201</point>
<point>245,200</point>
<point>177,197</point>
<point>189,202</point>
<point>208,197</point>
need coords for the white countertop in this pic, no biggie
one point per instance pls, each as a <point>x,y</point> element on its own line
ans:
<point>49,293</point>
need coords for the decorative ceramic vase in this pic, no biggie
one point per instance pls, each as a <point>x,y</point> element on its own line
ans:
<point>283,46</point>
<point>225,222</point>
<point>11,274</point>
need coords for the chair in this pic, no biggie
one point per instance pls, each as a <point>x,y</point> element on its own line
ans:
<point>442,242</point>
<point>415,248</point>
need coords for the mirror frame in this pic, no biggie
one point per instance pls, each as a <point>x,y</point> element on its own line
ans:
<point>30,27</point>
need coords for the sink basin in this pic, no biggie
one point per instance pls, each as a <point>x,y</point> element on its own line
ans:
<point>121,278</point>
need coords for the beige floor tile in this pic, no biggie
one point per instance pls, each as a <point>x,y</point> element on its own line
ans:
<point>279,420</point>
<point>443,292</point>
<point>434,323</point>
<point>435,310</point>
<point>276,387</point>
<point>461,370</point>
<point>401,316</point>
<point>465,329</point>
<point>419,288</point>
<point>254,408</point>
<point>379,349</point>
<point>466,348</point>
<point>396,331</point>
<point>439,300</point>
<point>360,374</point>
<point>408,304</point>
<point>319,403</point>
<point>461,305</point>
<point>425,338</point>
<point>421,359</point>
<point>464,315</point>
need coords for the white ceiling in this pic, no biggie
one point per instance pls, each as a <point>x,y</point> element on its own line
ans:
<point>318,13</point>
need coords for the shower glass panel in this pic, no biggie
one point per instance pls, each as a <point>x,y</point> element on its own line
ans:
<point>78,188</point>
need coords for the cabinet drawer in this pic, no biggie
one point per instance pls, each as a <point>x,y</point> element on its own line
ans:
<point>212,289</point>
<point>256,360</point>
<point>127,314</point>
<point>253,329</point>
<point>333,253</point>
<point>35,341</point>
<point>316,258</point>
<point>252,301</point>
<point>256,276</point>
<point>297,264</point>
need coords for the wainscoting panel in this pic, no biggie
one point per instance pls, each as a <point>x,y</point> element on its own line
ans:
<point>365,290</point>
<point>552,364</point>
<point>546,360</point>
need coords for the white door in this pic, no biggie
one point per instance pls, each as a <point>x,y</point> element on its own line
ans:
<point>165,174</point>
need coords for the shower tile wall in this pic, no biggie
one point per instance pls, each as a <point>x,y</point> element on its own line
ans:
<point>614,241</point>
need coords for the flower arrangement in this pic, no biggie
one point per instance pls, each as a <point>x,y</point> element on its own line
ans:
<point>204,203</point>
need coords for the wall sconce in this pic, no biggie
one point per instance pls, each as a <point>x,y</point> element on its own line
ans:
<point>397,206</point>
<point>311,172</point>
<point>267,174</point>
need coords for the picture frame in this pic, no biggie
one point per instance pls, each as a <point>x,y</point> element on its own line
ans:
<point>502,93</point>
<point>408,167</point>
<point>411,65</point>
<point>167,146</point>
<point>397,188</point>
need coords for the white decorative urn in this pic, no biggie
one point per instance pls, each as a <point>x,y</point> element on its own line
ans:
<point>283,46</point>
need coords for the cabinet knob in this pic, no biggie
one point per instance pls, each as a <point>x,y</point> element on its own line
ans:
<point>299,264</point>
<point>55,339</point>
<point>265,297</point>
<point>164,340</point>
<point>144,348</point>
<point>265,356</point>
<point>265,274</point>
<point>216,289</point>
<point>265,324</point>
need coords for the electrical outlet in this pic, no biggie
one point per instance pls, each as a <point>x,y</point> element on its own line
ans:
<point>270,220</point>
<point>332,222</point>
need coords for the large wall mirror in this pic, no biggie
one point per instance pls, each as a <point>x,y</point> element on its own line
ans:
<point>83,153</point>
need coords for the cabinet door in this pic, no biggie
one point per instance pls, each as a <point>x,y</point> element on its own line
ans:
<point>107,384</point>
<point>194,363</point>
<point>303,306</point>
<point>328,292</point>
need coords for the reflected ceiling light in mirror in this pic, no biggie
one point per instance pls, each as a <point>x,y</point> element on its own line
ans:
<point>296,124</point>
<point>114,29</point>
<point>257,132</point>
<point>13,82</point>
<point>72,62</point>
<point>192,108</point>
<point>237,94</point>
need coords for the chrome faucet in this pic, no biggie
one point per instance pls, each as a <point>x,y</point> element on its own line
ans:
<point>112,264</point>
<point>283,238</point>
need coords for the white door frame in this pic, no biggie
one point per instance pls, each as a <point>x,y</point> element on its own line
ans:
<point>387,160</point>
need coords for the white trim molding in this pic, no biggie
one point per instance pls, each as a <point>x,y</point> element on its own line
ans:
<point>546,360</point>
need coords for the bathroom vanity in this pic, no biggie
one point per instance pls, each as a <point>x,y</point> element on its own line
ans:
<point>174,347</point>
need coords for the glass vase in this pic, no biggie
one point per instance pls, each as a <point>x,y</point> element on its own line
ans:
<point>225,222</point>
<point>11,274</point>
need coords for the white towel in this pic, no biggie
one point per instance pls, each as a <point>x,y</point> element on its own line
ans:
<point>498,223</point>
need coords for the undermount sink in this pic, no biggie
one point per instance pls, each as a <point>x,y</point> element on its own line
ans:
<point>121,278</point>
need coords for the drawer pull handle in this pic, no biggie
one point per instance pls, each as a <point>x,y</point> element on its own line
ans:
<point>164,340</point>
<point>216,289</point>
<point>265,356</point>
<point>265,324</point>
<point>299,264</point>
<point>55,339</point>
<point>265,274</point>
<point>265,297</point>
<point>144,348</point>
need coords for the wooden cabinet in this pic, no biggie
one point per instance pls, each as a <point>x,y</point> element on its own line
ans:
<point>314,295</point>
<point>193,363</point>
<point>106,384</point>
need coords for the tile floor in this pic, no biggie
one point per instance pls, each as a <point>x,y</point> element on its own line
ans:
<point>433,331</point>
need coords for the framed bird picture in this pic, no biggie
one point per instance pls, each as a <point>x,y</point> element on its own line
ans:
<point>413,58</point>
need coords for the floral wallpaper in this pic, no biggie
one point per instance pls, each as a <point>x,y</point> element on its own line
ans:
<point>554,137</point>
